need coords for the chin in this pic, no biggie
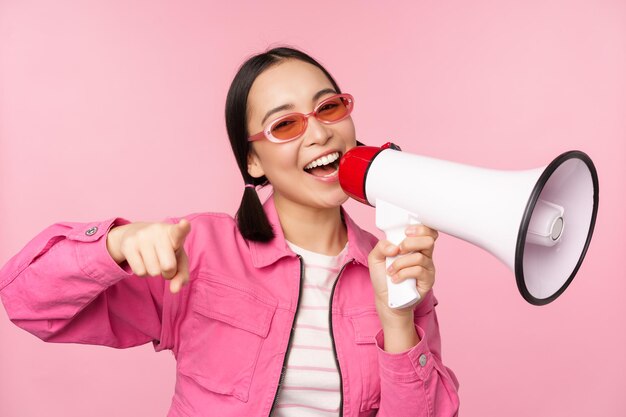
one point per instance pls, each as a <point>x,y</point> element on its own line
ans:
<point>331,200</point>
<point>340,199</point>
<point>343,199</point>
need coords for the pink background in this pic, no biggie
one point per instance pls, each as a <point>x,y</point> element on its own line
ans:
<point>115,108</point>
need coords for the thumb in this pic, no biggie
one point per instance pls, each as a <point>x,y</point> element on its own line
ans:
<point>178,232</point>
<point>381,251</point>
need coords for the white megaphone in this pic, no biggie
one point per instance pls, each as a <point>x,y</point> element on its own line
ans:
<point>539,222</point>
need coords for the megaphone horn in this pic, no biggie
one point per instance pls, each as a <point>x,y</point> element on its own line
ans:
<point>539,222</point>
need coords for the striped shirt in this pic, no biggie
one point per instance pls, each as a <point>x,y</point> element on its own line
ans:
<point>312,383</point>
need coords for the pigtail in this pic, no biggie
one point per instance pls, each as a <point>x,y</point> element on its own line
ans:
<point>251,218</point>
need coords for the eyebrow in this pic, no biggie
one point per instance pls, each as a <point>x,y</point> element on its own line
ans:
<point>291,106</point>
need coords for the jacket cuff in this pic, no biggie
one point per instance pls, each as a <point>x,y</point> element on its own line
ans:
<point>411,365</point>
<point>95,259</point>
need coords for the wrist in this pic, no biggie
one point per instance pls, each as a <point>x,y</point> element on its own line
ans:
<point>398,326</point>
<point>113,243</point>
<point>394,318</point>
<point>400,339</point>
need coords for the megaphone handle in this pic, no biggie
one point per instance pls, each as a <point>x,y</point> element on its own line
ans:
<point>402,294</point>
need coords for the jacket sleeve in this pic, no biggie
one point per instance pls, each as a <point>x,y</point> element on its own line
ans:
<point>63,286</point>
<point>415,382</point>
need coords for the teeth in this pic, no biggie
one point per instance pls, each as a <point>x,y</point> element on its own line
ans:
<point>324,160</point>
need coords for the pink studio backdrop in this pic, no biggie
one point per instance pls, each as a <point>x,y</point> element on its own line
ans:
<point>115,108</point>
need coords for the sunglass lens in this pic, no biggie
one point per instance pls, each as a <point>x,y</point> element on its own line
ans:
<point>288,127</point>
<point>334,109</point>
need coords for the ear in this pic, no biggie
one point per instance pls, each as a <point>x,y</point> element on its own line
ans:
<point>255,169</point>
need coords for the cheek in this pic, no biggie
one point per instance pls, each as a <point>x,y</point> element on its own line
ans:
<point>348,132</point>
<point>277,159</point>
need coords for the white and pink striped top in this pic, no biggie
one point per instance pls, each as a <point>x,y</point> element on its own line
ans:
<point>311,385</point>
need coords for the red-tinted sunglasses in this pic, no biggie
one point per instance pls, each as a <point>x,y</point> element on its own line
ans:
<point>293,125</point>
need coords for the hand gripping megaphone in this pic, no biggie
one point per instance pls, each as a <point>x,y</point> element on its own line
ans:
<point>539,222</point>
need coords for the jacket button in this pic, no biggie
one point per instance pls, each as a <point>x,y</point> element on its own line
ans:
<point>423,360</point>
<point>91,231</point>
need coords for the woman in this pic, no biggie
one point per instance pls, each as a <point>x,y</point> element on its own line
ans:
<point>279,311</point>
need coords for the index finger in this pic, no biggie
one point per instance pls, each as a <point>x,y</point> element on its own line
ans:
<point>182,274</point>
<point>421,230</point>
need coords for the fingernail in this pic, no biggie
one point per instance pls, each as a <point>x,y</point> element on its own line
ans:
<point>411,230</point>
<point>390,270</point>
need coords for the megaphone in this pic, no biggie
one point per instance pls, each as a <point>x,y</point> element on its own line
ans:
<point>539,222</point>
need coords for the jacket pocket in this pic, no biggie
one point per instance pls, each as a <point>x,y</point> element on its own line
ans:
<point>366,325</point>
<point>229,326</point>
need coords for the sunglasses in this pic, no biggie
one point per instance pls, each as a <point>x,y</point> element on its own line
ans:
<point>293,125</point>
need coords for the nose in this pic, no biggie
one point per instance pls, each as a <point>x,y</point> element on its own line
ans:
<point>316,132</point>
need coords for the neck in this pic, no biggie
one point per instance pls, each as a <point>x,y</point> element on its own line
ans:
<point>319,230</point>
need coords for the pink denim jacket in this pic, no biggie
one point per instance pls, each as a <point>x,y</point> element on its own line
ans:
<point>230,328</point>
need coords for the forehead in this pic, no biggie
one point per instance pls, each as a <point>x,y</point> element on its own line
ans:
<point>289,82</point>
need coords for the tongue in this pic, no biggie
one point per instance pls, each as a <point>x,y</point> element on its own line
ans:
<point>323,170</point>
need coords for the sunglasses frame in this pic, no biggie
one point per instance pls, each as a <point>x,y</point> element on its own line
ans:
<point>267,132</point>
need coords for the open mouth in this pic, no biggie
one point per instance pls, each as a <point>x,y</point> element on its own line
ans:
<point>325,167</point>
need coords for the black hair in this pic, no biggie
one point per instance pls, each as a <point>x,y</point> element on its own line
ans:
<point>251,219</point>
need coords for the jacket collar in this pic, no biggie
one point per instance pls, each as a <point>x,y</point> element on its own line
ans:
<point>264,254</point>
